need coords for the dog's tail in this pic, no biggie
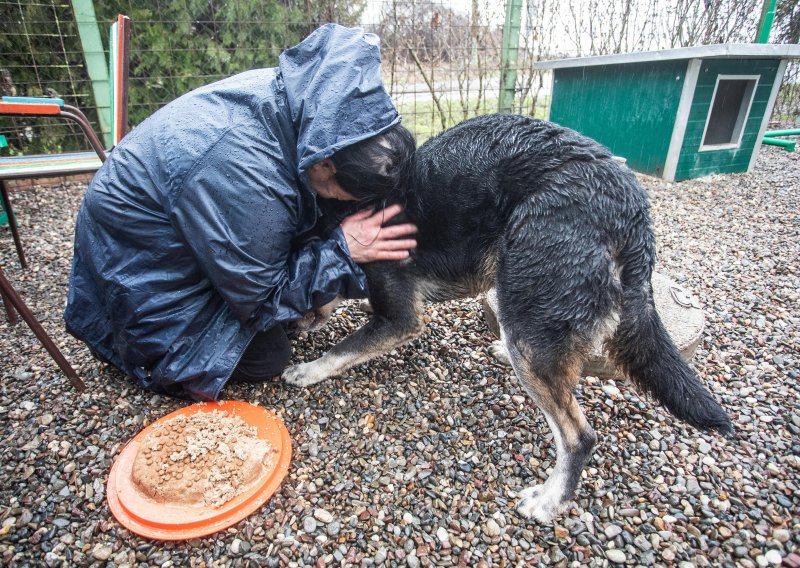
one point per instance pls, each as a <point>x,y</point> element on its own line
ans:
<point>643,349</point>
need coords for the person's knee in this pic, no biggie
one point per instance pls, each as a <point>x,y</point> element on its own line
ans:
<point>266,356</point>
<point>278,362</point>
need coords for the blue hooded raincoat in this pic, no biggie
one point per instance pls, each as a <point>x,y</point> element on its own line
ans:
<point>187,241</point>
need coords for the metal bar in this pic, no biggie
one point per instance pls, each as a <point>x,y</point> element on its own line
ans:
<point>27,109</point>
<point>76,115</point>
<point>509,55</point>
<point>765,24</point>
<point>790,132</point>
<point>96,64</point>
<point>33,100</point>
<point>12,223</point>
<point>119,72</point>
<point>787,145</point>
<point>14,298</point>
<point>11,313</point>
<point>123,64</point>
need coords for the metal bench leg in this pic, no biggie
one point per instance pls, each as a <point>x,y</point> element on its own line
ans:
<point>10,295</point>
<point>11,313</point>
<point>12,223</point>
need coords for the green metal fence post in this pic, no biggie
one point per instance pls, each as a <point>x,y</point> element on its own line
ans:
<point>96,63</point>
<point>3,215</point>
<point>765,24</point>
<point>509,54</point>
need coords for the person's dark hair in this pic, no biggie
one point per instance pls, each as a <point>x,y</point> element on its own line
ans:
<point>375,168</point>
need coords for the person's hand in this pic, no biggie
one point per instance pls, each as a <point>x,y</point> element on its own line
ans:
<point>368,241</point>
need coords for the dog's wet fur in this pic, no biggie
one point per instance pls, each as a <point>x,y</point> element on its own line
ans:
<point>564,233</point>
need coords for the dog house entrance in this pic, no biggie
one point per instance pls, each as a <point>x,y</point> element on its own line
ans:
<point>727,116</point>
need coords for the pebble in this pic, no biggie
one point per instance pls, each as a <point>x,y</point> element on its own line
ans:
<point>45,419</point>
<point>491,528</point>
<point>236,546</point>
<point>616,556</point>
<point>323,516</point>
<point>442,535</point>
<point>781,535</point>
<point>380,556</point>
<point>333,528</point>
<point>773,557</point>
<point>101,552</point>
<point>309,524</point>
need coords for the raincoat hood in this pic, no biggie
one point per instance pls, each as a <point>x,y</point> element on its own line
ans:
<point>335,93</point>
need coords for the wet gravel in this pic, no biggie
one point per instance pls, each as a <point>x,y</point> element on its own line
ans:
<point>414,459</point>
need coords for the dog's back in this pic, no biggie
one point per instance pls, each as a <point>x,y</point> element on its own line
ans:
<point>470,182</point>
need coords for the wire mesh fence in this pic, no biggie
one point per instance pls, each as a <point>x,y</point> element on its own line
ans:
<point>442,60</point>
<point>41,55</point>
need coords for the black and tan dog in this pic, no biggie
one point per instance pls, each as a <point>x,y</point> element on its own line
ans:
<point>564,233</point>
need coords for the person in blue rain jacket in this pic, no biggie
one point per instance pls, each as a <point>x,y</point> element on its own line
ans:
<point>189,244</point>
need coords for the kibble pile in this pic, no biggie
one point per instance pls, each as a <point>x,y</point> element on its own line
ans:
<point>415,459</point>
<point>207,458</point>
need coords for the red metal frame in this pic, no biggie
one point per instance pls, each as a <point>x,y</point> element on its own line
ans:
<point>56,111</point>
<point>28,109</point>
<point>12,299</point>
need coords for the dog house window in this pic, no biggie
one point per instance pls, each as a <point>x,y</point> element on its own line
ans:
<point>730,106</point>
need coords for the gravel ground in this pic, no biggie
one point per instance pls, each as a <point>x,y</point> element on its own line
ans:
<point>414,459</point>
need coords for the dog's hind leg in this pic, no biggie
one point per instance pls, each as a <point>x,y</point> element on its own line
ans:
<point>396,319</point>
<point>550,385</point>
<point>555,289</point>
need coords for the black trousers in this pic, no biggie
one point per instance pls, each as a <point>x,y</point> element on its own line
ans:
<point>266,356</point>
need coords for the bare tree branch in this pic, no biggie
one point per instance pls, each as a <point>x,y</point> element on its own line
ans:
<point>429,83</point>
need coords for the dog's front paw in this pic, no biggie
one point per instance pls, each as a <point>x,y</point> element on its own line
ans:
<point>500,353</point>
<point>312,321</point>
<point>303,324</point>
<point>303,375</point>
<point>539,503</point>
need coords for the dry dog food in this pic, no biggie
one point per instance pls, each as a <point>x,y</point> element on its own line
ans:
<point>207,459</point>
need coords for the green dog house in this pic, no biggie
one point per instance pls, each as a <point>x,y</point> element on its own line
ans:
<point>677,113</point>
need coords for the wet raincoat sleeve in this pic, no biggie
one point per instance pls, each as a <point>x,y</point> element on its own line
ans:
<point>240,218</point>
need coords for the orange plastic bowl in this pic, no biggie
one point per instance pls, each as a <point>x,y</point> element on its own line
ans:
<point>143,516</point>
